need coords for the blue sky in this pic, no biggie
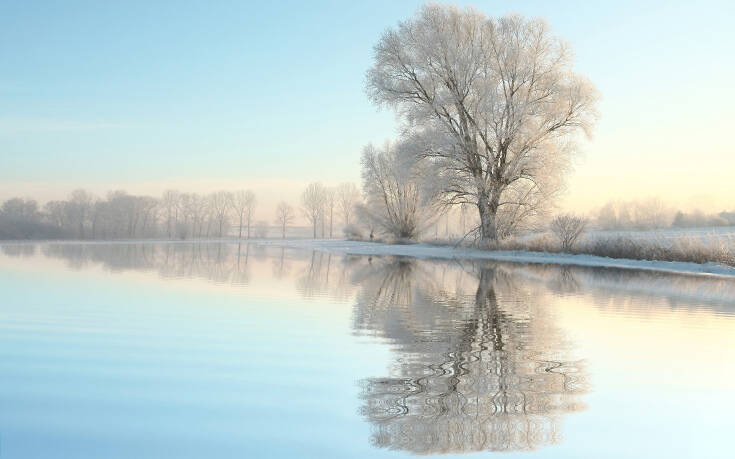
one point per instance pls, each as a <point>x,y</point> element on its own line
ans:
<point>146,95</point>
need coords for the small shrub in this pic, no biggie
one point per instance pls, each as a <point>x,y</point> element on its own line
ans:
<point>568,228</point>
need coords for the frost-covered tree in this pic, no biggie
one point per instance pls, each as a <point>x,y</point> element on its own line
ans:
<point>347,196</point>
<point>496,99</point>
<point>392,193</point>
<point>284,216</point>
<point>243,204</point>
<point>312,203</point>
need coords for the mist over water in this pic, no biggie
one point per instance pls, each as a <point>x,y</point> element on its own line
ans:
<point>238,350</point>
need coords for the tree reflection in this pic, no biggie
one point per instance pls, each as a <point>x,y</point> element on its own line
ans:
<point>482,372</point>
<point>18,250</point>
<point>221,263</point>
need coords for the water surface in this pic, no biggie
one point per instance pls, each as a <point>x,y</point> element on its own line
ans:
<point>225,350</point>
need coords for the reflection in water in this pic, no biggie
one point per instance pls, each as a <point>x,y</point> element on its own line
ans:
<point>482,372</point>
<point>316,273</point>
<point>18,250</point>
<point>479,362</point>
<point>222,263</point>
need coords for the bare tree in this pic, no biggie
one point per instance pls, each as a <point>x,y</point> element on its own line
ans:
<point>243,204</point>
<point>220,204</point>
<point>568,228</point>
<point>391,190</point>
<point>330,201</point>
<point>170,203</point>
<point>284,216</point>
<point>56,213</point>
<point>147,206</point>
<point>312,203</point>
<point>80,208</point>
<point>347,197</point>
<point>496,100</point>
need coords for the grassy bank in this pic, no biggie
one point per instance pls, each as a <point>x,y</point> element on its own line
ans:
<point>692,249</point>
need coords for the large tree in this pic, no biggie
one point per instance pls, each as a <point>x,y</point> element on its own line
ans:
<point>496,100</point>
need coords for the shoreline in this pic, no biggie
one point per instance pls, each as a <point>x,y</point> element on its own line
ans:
<point>422,250</point>
<point>427,251</point>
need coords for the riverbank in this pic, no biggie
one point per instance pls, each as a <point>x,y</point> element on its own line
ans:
<point>521,256</point>
<point>436,251</point>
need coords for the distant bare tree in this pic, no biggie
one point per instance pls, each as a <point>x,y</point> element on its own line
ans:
<point>147,206</point>
<point>330,202</point>
<point>312,203</point>
<point>20,209</point>
<point>80,208</point>
<point>284,216</point>
<point>497,101</point>
<point>568,228</point>
<point>170,203</point>
<point>56,213</point>
<point>220,204</point>
<point>198,214</point>
<point>347,196</point>
<point>21,219</point>
<point>243,204</point>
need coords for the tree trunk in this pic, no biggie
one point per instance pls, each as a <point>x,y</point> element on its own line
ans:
<point>488,209</point>
<point>239,231</point>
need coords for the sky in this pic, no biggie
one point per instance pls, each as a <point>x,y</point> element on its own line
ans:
<point>203,96</point>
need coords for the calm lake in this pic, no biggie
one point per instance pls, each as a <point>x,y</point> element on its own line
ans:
<point>217,350</point>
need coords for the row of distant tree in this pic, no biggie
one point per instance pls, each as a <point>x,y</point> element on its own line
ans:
<point>654,214</point>
<point>174,215</point>
<point>330,211</point>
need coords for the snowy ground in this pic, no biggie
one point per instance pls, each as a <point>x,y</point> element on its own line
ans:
<point>448,252</point>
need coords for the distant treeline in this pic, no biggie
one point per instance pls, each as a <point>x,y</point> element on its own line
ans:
<point>124,216</point>
<point>179,215</point>
<point>654,214</point>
